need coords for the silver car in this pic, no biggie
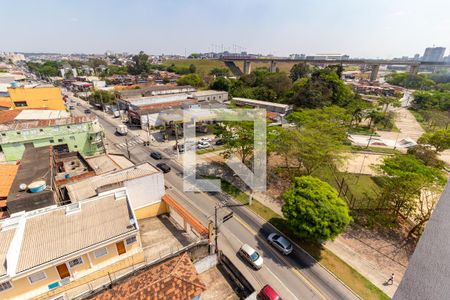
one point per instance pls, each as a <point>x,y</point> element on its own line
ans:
<point>280,242</point>
<point>251,256</point>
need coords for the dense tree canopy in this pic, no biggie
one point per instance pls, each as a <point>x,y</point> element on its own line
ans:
<point>221,84</point>
<point>300,71</point>
<point>102,97</point>
<point>439,139</point>
<point>140,65</point>
<point>432,100</point>
<point>410,81</point>
<point>191,79</point>
<point>313,209</point>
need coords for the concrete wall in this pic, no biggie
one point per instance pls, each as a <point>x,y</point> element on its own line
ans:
<point>138,190</point>
<point>151,210</point>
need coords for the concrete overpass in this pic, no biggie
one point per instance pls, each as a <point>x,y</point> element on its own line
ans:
<point>374,63</point>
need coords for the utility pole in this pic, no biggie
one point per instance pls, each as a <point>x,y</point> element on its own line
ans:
<point>216,231</point>
<point>128,148</point>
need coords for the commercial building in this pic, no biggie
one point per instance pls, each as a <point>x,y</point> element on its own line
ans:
<point>155,90</point>
<point>43,128</point>
<point>48,251</point>
<point>36,97</point>
<point>269,106</point>
<point>210,95</point>
<point>433,54</point>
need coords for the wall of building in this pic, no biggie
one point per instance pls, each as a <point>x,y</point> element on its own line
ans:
<point>152,210</point>
<point>45,97</point>
<point>22,286</point>
<point>77,137</point>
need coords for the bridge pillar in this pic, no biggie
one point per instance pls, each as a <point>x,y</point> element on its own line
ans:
<point>374,73</point>
<point>247,67</point>
<point>413,69</point>
<point>273,66</point>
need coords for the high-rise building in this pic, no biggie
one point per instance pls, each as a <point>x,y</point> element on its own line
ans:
<point>434,54</point>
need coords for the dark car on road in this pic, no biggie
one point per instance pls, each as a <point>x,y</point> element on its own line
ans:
<point>164,167</point>
<point>220,143</point>
<point>87,111</point>
<point>156,155</point>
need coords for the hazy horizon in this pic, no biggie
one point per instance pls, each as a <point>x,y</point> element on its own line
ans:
<point>385,29</point>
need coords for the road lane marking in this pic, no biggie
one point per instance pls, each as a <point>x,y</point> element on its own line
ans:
<point>291,267</point>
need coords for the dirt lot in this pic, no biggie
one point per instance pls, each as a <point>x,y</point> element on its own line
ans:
<point>217,286</point>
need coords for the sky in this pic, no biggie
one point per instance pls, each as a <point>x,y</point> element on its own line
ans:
<point>359,28</point>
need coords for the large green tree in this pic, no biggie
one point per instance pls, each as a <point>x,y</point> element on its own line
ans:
<point>300,70</point>
<point>238,138</point>
<point>314,210</point>
<point>439,139</point>
<point>191,79</point>
<point>140,65</point>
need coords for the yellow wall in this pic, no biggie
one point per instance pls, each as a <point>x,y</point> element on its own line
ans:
<point>151,210</point>
<point>40,97</point>
<point>22,286</point>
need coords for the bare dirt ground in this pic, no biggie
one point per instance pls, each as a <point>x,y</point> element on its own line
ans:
<point>361,163</point>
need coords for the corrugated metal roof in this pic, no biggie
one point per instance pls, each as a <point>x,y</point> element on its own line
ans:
<point>55,234</point>
<point>5,241</point>
<point>20,124</point>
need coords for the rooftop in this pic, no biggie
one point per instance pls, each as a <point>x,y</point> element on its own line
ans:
<point>175,278</point>
<point>28,124</point>
<point>260,102</point>
<point>166,105</point>
<point>57,233</point>
<point>89,187</point>
<point>70,166</point>
<point>35,165</point>
<point>207,93</point>
<point>147,91</point>
<point>8,172</point>
<point>107,163</point>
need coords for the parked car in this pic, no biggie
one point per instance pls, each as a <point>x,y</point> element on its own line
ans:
<point>203,145</point>
<point>205,139</point>
<point>78,104</point>
<point>156,155</point>
<point>268,293</point>
<point>164,167</point>
<point>87,111</point>
<point>220,142</point>
<point>251,256</point>
<point>280,242</point>
<point>71,107</point>
<point>122,129</point>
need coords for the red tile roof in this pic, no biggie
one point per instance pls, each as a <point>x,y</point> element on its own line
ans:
<point>7,116</point>
<point>173,279</point>
<point>8,173</point>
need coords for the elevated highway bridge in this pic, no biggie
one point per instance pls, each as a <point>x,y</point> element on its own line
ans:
<point>373,63</point>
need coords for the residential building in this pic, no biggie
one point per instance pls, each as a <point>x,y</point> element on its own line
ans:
<point>433,54</point>
<point>40,128</point>
<point>138,180</point>
<point>51,250</point>
<point>37,97</point>
<point>210,95</point>
<point>270,106</point>
<point>427,274</point>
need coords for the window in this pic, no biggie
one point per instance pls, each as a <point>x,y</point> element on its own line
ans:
<point>5,286</point>
<point>131,240</point>
<point>72,138</point>
<point>75,262</point>
<point>75,146</point>
<point>60,140</point>
<point>37,277</point>
<point>20,103</point>
<point>68,126</point>
<point>52,141</point>
<point>41,130</point>
<point>18,132</point>
<point>100,252</point>
<point>3,134</point>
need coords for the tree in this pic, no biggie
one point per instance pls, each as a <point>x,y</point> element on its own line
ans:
<point>192,68</point>
<point>440,139</point>
<point>140,65</point>
<point>406,177</point>
<point>313,209</point>
<point>219,72</point>
<point>385,102</point>
<point>298,71</point>
<point>102,97</point>
<point>411,81</point>
<point>220,84</point>
<point>238,137</point>
<point>427,155</point>
<point>191,79</point>
<point>278,82</point>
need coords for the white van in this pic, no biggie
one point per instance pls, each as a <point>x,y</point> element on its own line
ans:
<point>122,129</point>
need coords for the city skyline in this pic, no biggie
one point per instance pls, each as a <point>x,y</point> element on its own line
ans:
<point>356,28</point>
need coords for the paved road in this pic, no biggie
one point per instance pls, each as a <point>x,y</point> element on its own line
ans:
<point>296,276</point>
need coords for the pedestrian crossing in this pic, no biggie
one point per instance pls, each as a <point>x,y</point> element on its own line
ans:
<point>131,143</point>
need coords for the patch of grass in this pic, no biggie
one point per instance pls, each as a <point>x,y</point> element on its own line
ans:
<point>204,66</point>
<point>358,283</point>
<point>362,130</point>
<point>375,149</point>
<point>362,187</point>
